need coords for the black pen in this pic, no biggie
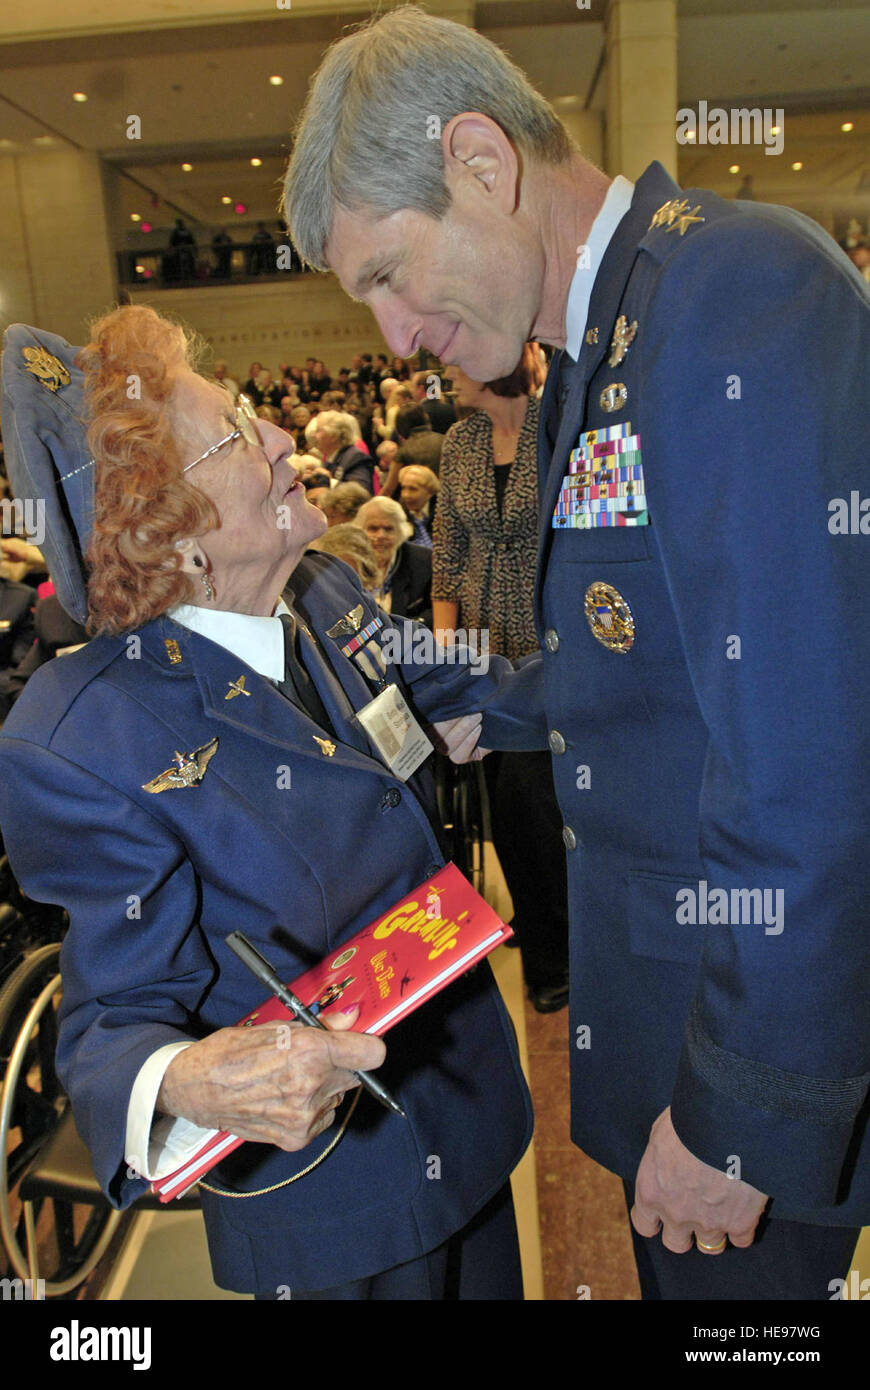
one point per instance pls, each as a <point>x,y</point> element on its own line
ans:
<point>259,966</point>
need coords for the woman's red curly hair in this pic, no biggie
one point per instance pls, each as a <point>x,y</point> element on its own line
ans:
<point>143,502</point>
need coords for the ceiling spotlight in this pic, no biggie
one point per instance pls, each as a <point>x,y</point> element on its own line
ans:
<point>226,200</point>
<point>775,129</point>
<point>255,163</point>
<point>135,217</point>
<point>734,168</point>
<point>276,81</point>
<point>80,96</point>
<point>187,168</point>
<point>797,165</point>
<point>690,136</point>
<point>848,125</point>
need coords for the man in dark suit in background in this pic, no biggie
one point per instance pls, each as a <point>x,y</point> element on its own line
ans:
<point>704,633</point>
<point>418,442</point>
<point>428,395</point>
<point>16,632</point>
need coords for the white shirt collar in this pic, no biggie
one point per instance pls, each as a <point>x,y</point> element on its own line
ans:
<point>259,642</point>
<point>613,209</point>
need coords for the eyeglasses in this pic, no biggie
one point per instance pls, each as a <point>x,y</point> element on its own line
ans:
<point>246,428</point>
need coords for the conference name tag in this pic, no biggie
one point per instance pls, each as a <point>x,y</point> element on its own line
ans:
<point>395,732</point>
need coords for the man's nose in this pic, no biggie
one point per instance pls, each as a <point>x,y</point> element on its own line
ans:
<point>399,325</point>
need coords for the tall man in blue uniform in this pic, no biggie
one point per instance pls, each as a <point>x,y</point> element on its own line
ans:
<point>702,616</point>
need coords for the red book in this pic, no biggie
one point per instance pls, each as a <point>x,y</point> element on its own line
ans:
<point>389,968</point>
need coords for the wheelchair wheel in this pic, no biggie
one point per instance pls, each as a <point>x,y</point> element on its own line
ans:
<point>72,1236</point>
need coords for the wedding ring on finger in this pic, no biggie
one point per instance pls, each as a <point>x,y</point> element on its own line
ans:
<point>711,1249</point>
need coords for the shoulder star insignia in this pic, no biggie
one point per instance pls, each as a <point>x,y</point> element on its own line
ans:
<point>48,369</point>
<point>326,746</point>
<point>623,337</point>
<point>683,219</point>
<point>188,771</point>
<point>237,688</point>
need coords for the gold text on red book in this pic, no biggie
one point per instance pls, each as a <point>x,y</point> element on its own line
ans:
<point>443,932</point>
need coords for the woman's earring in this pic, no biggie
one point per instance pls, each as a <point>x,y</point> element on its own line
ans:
<point>206,579</point>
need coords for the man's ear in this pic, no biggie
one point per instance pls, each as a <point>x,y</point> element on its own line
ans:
<point>479,157</point>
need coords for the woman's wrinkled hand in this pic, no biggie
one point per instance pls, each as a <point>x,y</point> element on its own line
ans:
<point>271,1084</point>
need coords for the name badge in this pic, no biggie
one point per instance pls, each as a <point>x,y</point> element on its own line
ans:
<point>395,732</point>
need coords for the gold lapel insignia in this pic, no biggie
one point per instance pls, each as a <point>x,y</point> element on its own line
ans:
<point>48,369</point>
<point>623,337</point>
<point>614,396</point>
<point>592,336</point>
<point>173,651</point>
<point>188,771</point>
<point>349,624</point>
<point>326,746</point>
<point>237,688</point>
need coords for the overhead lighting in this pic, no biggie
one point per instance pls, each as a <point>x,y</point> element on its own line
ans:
<point>226,200</point>
<point>255,163</point>
<point>276,81</point>
<point>135,217</point>
<point>734,168</point>
<point>690,136</point>
<point>797,165</point>
<point>775,129</point>
<point>187,168</point>
<point>80,96</point>
<point>140,270</point>
<point>848,125</point>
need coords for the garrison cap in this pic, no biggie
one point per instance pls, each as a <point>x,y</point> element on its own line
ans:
<point>47,456</point>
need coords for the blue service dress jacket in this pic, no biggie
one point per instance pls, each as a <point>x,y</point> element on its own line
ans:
<point>298,848</point>
<point>726,748</point>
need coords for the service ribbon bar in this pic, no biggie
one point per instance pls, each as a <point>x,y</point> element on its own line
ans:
<point>363,636</point>
<point>588,521</point>
<point>626,445</point>
<point>607,432</point>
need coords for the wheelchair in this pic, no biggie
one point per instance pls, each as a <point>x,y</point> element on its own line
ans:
<point>463,812</point>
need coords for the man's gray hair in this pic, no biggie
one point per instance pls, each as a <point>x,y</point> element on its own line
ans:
<point>369,136</point>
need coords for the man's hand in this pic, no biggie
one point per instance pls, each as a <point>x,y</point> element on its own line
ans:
<point>274,1084</point>
<point>678,1194</point>
<point>458,738</point>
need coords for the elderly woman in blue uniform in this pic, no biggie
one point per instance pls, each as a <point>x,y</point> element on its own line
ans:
<point>285,822</point>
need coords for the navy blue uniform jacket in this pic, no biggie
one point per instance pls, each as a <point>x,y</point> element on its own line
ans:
<point>736,766</point>
<point>154,883</point>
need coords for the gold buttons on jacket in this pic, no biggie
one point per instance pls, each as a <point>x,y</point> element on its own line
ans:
<point>609,616</point>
